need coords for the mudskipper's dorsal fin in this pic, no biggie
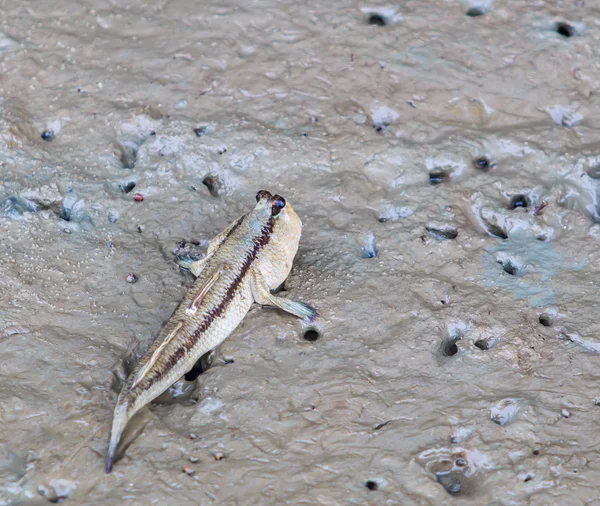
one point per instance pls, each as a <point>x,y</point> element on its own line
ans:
<point>193,307</point>
<point>144,370</point>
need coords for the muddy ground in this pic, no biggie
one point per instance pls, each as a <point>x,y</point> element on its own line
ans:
<point>444,157</point>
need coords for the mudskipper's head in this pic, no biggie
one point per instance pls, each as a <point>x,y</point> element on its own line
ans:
<point>281,212</point>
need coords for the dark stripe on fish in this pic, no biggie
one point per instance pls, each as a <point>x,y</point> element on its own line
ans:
<point>216,312</point>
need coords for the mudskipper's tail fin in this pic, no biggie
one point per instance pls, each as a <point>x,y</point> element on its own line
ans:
<point>120,419</point>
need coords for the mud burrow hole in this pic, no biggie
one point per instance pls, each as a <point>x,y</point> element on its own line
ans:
<point>311,335</point>
<point>214,185</point>
<point>519,200</point>
<point>482,163</point>
<point>509,267</point>
<point>438,176</point>
<point>475,12</point>
<point>376,19</point>
<point>565,29</point>
<point>203,364</point>
<point>448,347</point>
<point>127,187</point>
<point>371,485</point>
<point>546,320</point>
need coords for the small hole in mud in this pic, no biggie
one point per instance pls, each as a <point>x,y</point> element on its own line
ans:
<point>594,172</point>
<point>481,163</point>
<point>200,131</point>
<point>496,230</point>
<point>536,452</point>
<point>448,347</point>
<point>128,156</point>
<point>482,344</point>
<point>127,187</point>
<point>546,320</point>
<point>213,184</point>
<point>438,176</point>
<point>201,366</point>
<point>65,214</point>
<point>509,267</point>
<point>565,29</point>
<point>519,201</point>
<point>47,135</point>
<point>311,335</point>
<point>475,12</point>
<point>442,231</point>
<point>376,19</point>
<point>371,485</point>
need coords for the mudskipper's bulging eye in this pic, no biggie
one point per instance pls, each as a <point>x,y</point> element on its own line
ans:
<point>262,194</point>
<point>278,204</point>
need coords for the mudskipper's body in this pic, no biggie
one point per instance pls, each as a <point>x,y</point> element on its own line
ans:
<point>242,264</point>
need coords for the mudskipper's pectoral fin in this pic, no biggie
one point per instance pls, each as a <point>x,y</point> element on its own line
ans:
<point>194,266</point>
<point>262,295</point>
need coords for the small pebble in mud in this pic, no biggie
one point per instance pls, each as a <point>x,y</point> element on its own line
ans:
<point>546,320</point>
<point>228,359</point>
<point>460,462</point>
<point>371,485</point>
<point>218,455</point>
<point>481,163</point>
<point>193,460</point>
<point>140,229</point>
<point>131,278</point>
<point>507,411</point>
<point>192,436</point>
<point>370,249</point>
<point>519,201</point>
<point>222,150</point>
<point>47,135</point>
<point>565,413</point>
<point>188,470</point>
<point>67,230</point>
<point>138,197</point>
<point>451,481</point>
<point>482,344</point>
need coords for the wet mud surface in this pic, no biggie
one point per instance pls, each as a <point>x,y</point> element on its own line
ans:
<point>444,158</point>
